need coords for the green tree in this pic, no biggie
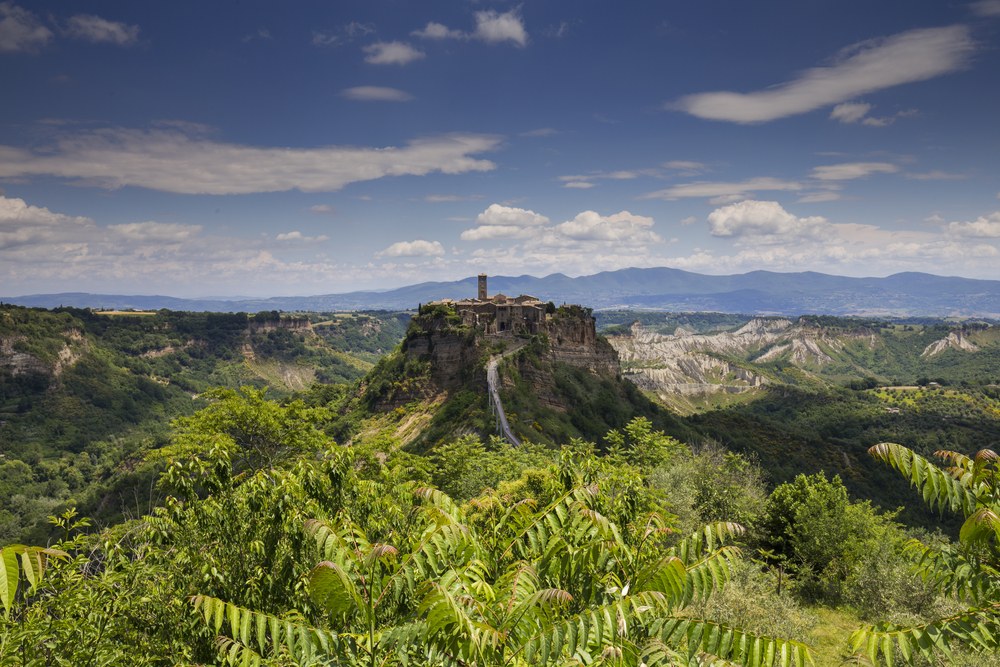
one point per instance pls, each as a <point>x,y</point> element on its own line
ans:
<point>557,585</point>
<point>811,524</point>
<point>969,570</point>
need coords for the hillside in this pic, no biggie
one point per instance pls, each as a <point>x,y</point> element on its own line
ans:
<point>83,394</point>
<point>689,370</point>
<point>559,383</point>
<point>758,292</point>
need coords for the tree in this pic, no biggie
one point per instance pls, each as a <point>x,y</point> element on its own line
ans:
<point>968,570</point>
<point>556,585</point>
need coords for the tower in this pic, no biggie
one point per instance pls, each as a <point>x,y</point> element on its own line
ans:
<point>482,287</point>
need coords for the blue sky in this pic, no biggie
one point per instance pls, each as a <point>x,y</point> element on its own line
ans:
<point>263,148</point>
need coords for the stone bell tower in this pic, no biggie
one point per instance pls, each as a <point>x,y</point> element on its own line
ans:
<point>482,287</point>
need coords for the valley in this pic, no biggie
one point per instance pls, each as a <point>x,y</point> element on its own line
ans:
<point>711,415</point>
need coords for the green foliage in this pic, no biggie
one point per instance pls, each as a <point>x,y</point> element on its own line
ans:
<point>546,586</point>
<point>811,525</point>
<point>257,433</point>
<point>970,570</point>
<point>466,467</point>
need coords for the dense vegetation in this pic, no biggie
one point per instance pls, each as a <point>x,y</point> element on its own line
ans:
<point>83,394</point>
<point>373,523</point>
<point>276,546</point>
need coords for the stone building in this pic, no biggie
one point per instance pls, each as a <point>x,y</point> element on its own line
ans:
<point>500,314</point>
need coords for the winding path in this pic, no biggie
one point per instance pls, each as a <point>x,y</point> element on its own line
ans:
<point>492,382</point>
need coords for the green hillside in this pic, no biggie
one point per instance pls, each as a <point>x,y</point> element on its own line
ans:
<point>83,395</point>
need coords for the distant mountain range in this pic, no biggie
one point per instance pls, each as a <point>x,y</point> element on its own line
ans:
<point>757,292</point>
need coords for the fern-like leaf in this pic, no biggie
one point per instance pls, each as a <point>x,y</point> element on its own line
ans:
<point>938,489</point>
<point>977,628</point>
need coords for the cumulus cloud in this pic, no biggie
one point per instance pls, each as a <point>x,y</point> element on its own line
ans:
<point>985,227</point>
<point>861,68</point>
<point>375,94</point>
<point>492,27</point>
<point>496,214</point>
<point>715,189</point>
<point>418,248</point>
<point>761,219</point>
<point>172,160</point>
<point>42,250</point>
<point>21,223</point>
<point>437,31</point>
<point>850,170</point>
<point>621,228</point>
<point>96,29</point>
<point>391,53</point>
<point>498,222</point>
<point>578,185</point>
<point>20,30</point>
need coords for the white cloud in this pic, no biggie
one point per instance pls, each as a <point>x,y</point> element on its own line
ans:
<point>299,237</point>
<point>495,214</point>
<point>162,232</point>
<point>862,68</point>
<point>418,248</point>
<point>493,27</point>
<point>622,228</point>
<point>985,226</point>
<point>437,31</point>
<point>23,224</point>
<point>499,222</point>
<point>321,208</point>
<point>96,29</point>
<point>690,220</point>
<point>850,112</point>
<point>761,219</point>
<point>578,185</point>
<point>851,170</point>
<point>713,189</point>
<point>174,161</point>
<point>20,30</point>
<point>375,94</point>
<point>391,53</point>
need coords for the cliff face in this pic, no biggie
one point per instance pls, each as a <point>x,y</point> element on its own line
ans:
<point>693,364</point>
<point>19,363</point>
<point>573,340</point>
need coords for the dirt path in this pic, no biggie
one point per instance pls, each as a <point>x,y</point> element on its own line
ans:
<point>492,382</point>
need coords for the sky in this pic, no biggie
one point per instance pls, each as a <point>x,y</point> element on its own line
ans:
<point>258,148</point>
